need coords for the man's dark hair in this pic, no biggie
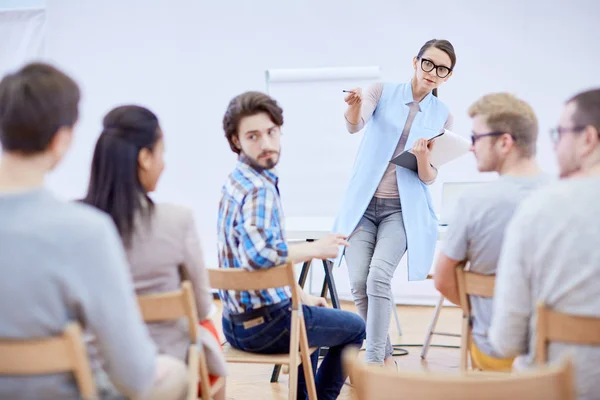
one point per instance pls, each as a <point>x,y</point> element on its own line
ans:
<point>35,102</point>
<point>587,108</point>
<point>246,105</point>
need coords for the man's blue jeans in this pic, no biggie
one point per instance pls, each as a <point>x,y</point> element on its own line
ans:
<point>325,327</point>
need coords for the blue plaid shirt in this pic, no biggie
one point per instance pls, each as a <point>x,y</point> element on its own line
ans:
<point>250,233</point>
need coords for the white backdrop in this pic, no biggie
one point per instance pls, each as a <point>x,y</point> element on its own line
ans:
<point>22,33</point>
<point>186,59</point>
<point>318,152</point>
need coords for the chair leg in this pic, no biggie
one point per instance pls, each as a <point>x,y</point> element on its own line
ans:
<point>464,344</point>
<point>431,329</point>
<point>195,359</point>
<point>294,347</point>
<point>309,376</point>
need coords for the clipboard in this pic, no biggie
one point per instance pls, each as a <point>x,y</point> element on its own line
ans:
<point>448,147</point>
<point>408,160</point>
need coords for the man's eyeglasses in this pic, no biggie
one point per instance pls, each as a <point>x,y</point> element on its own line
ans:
<point>440,70</point>
<point>475,137</point>
<point>556,133</point>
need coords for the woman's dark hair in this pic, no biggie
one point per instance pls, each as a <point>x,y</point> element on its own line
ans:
<point>114,186</point>
<point>443,45</point>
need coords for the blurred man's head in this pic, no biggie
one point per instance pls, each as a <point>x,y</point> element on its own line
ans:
<point>505,130</point>
<point>38,109</point>
<point>577,137</point>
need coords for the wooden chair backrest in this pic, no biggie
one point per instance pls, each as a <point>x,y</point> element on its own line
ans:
<point>470,284</point>
<point>169,306</point>
<point>473,284</point>
<point>553,326</point>
<point>268,278</point>
<point>59,354</point>
<point>373,383</point>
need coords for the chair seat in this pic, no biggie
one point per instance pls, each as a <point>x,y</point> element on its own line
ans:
<point>234,355</point>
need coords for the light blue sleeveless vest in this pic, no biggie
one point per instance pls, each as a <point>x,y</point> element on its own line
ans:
<point>380,139</point>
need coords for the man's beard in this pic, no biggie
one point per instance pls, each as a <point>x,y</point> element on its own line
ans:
<point>491,164</point>
<point>268,163</point>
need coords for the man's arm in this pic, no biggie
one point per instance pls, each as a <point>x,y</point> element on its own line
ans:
<point>444,278</point>
<point>509,330</point>
<point>324,248</point>
<point>454,252</point>
<point>262,244</point>
<point>302,252</point>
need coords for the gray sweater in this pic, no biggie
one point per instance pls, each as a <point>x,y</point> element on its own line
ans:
<point>551,254</point>
<point>61,262</point>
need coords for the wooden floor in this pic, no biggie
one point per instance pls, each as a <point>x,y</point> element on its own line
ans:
<point>252,381</point>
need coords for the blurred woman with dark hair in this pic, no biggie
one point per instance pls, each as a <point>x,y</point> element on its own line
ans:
<point>160,240</point>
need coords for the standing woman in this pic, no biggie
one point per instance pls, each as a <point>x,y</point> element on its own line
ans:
<point>392,205</point>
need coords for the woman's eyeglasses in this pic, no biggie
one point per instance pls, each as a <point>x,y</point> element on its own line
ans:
<point>440,70</point>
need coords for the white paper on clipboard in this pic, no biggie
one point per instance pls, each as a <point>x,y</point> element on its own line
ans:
<point>448,147</point>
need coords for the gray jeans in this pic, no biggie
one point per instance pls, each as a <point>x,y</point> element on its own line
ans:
<point>372,257</point>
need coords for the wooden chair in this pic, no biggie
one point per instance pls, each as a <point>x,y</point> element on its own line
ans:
<point>553,326</point>
<point>374,383</point>
<point>60,354</point>
<point>280,276</point>
<point>470,284</point>
<point>174,305</point>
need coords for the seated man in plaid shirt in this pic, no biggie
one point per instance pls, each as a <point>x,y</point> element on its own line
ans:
<point>251,236</point>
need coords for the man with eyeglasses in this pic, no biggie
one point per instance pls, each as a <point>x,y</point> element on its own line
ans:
<point>551,252</point>
<point>504,137</point>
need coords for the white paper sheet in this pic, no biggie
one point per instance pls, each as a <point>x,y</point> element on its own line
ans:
<point>448,147</point>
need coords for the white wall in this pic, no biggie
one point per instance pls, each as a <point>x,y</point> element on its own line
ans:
<point>21,4</point>
<point>186,59</point>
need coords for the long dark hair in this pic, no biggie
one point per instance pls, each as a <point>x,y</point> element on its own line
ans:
<point>443,45</point>
<point>114,186</point>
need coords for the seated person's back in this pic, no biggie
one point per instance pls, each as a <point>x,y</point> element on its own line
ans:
<point>60,262</point>
<point>161,254</point>
<point>476,232</point>
<point>551,253</point>
<point>160,240</point>
<point>558,258</point>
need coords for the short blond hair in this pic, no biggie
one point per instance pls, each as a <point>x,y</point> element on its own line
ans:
<point>505,112</point>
